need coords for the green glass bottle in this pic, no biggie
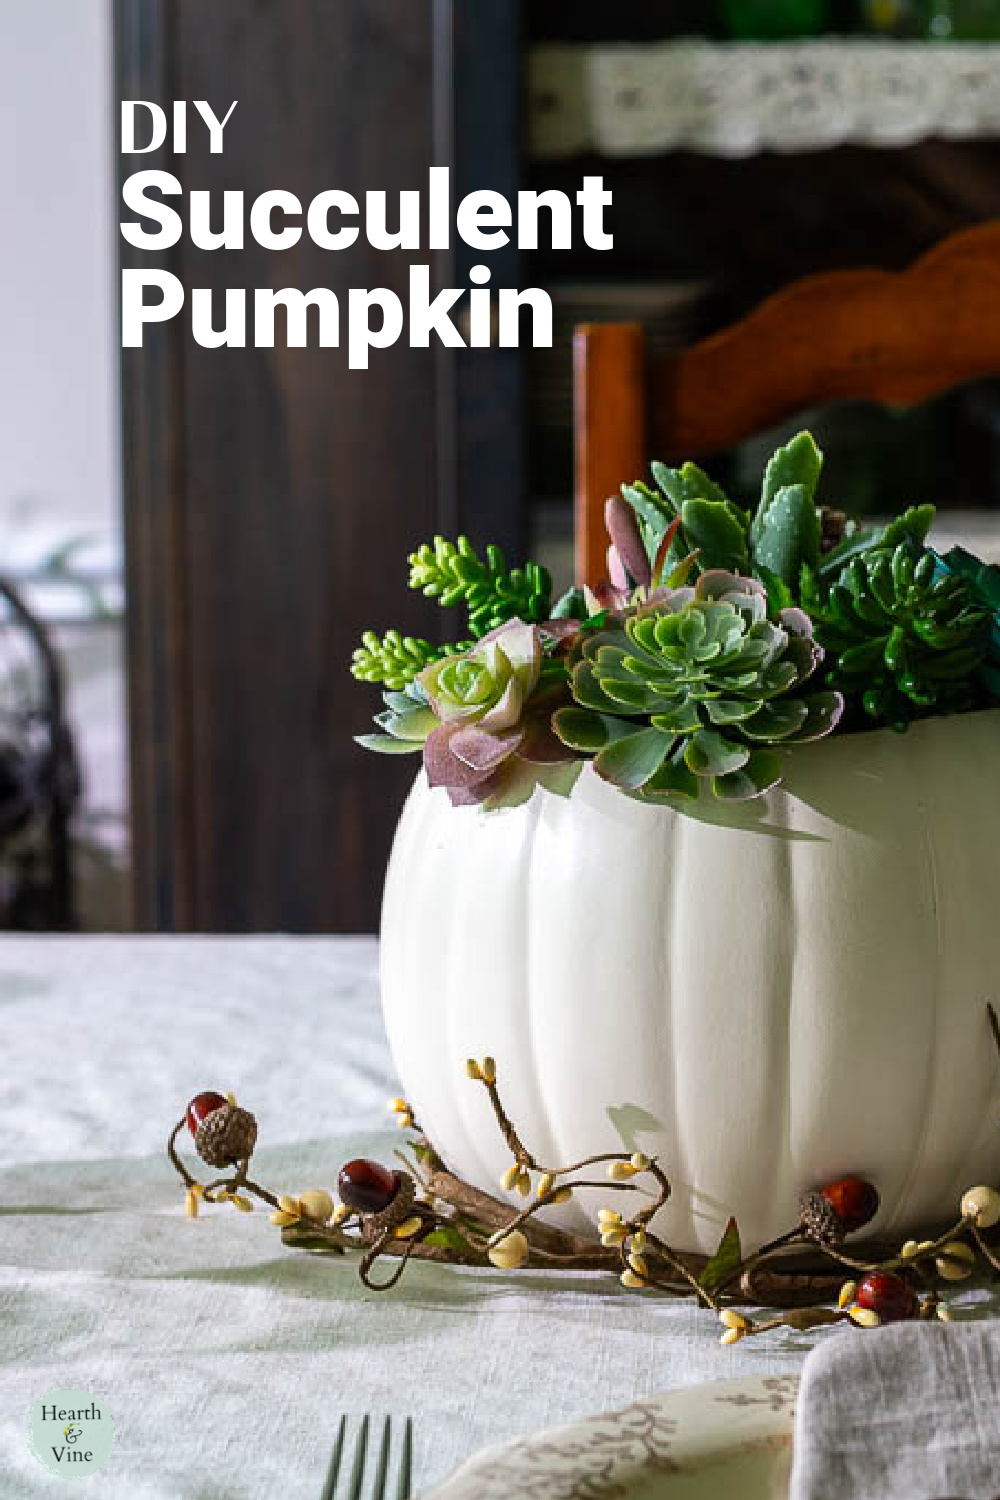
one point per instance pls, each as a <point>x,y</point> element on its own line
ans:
<point>774,20</point>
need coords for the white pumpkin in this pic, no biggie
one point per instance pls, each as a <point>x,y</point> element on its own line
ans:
<point>767,996</point>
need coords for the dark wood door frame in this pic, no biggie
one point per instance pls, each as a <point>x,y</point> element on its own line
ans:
<point>270,495</point>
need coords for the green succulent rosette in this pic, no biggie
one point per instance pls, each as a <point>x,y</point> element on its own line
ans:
<point>904,636</point>
<point>482,718</point>
<point>692,688</point>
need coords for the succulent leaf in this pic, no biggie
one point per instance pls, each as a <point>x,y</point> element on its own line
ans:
<point>789,534</point>
<point>798,463</point>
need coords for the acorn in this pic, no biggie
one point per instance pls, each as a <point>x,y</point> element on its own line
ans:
<point>366,1186</point>
<point>223,1132</point>
<point>887,1295</point>
<point>819,1220</point>
<point>854,1200</point>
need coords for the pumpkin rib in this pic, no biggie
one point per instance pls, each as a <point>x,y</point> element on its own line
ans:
<point>672,862</point>
<point>549,1149</point>
<point>787,1184</point>
<point>981,1138</point>
<point>916,1163</point>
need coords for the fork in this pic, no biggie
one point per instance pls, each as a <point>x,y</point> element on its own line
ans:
<point>381,1489</point>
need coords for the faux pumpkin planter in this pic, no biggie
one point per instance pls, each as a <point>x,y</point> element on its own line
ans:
<point>766,995</point>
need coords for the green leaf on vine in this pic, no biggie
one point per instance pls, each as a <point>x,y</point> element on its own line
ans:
<point>447,1237</point>
<point>725,1260</point>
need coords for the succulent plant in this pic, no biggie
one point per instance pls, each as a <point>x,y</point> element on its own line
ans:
<point>689,686</point>
<point>405,722</point>
<point>983,580</point>
<point>494,738</point>
<point>676,687</point>
<point>483,717</point>
<point>903,636</point>
<point>783,535</point>
<point>452,573</point>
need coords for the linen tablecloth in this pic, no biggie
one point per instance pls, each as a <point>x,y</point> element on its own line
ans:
<point>224,1358</point>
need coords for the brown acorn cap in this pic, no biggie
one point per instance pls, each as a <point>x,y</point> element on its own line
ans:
<point>395,1211</point>
<point>227,1135</point>
<point>819,1219</point>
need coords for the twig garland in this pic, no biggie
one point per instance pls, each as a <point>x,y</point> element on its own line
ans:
<point>423,1211</point>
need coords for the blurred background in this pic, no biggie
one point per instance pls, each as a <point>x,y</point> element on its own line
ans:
<point>193,540</point>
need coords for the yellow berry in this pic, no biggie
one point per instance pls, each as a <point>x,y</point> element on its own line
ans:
<point>408,1228</point>
<point>511,1252</point>
<point>316,1204</point>
<point>620,1171</point>
<point>956,1261</point>
<point>982,1206</point>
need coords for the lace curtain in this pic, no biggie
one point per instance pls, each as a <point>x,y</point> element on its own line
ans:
<point>738,99</point>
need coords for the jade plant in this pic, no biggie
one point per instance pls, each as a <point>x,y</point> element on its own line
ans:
<point>721,640</point>
<point>904,636</point>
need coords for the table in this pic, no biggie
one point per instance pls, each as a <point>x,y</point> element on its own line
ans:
<point>224,1358</point>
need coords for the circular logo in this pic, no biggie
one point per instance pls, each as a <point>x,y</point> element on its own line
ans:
<point>70,1432</point>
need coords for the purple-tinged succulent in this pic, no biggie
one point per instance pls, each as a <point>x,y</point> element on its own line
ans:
<point>494,738</point>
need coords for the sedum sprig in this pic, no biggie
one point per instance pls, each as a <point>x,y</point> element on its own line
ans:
<point>395,659</point>
<point>453,573</point>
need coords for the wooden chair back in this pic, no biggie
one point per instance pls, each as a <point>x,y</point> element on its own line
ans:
<point>897,337</point>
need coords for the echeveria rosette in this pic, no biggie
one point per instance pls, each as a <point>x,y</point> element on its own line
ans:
<point>692,688</point>
<point>903,637</point>
<point>493,741</point>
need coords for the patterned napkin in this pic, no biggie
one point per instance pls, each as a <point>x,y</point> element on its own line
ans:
<point>911,1412</point>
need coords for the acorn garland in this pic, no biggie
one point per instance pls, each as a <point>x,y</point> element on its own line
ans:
<point>422,1211</point>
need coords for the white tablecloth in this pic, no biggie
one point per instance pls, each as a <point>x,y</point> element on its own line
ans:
<point>223,1358</point>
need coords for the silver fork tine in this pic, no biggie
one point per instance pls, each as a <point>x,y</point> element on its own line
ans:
<point>332,1472</point>
<point>358,1467</point>
<point>405,1462</point>
<point>378,1493</point>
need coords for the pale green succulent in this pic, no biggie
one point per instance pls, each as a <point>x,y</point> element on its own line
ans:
<point>691,685</point>
<point>483,720</point>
